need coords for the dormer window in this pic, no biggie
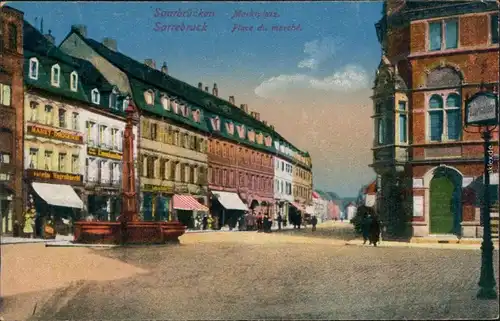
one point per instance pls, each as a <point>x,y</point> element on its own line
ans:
<point>96,96</point>
<point>74,81</point>
<point>164,102</point>
<point>113,98</point>
<point>33,74</point>
<point>175,106</point>
<point>55,75</point>
<point>149,97</point>
<point>125,103</point>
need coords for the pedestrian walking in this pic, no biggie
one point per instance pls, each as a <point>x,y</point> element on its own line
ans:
<point>280,220</point>
<point>314,221</point>
<point>374,230</point>
<point>204,222</point>
<point>29,222</point>
<point>299,220</point>
<point>210,222</point>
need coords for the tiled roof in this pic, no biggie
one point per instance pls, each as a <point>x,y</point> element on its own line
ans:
<point>187,92</point>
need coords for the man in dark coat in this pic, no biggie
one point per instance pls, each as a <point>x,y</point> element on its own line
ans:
<point>314,221</point>
<point>374,230</point>
<point>279,219</point>
<point>204,222</point>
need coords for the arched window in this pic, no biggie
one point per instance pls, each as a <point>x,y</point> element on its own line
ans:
<point>96,97</point>
<point>33,72</point>
<point>113,98</point>
<point>55,75</point>
<point>453,116</point>
<point>149,97</point>
<point>164,102</point>
<point>74,81</point>
<point>436,118</point>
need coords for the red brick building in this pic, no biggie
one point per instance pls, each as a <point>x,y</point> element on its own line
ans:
<point>241,172</point>
<point>435,56</point>
<point>11,119</point>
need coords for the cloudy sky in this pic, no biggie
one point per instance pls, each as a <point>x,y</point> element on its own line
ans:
<point>311,80</point>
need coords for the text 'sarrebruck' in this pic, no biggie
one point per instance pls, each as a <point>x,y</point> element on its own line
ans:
<point>159,26</point>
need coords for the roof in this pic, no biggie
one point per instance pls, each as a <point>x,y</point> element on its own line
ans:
<point>36,45</point>
<point>171,85</point>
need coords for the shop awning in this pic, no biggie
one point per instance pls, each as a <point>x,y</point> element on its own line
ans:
<point>310,210</point>
<point>230,201</point>
<point>188,203</point>
<point>298,206</point>
<point>58,195</point>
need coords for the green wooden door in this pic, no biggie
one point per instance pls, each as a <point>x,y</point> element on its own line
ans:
<point>441,214</point>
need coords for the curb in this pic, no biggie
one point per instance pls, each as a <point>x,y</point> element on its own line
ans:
<point>452,241</point>
<point>80,245</point>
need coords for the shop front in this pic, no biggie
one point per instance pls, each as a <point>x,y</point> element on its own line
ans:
<point>296,210</point>
<point>6,209</point>
<point>54,197</point>
<point>227,207</point>
<point>156,202</point>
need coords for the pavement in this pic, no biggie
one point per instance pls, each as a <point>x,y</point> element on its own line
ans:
<point>245,275</point>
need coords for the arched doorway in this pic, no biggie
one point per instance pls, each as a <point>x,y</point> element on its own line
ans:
<point>445,201</point>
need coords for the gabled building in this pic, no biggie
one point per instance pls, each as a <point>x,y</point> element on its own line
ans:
<point>11,119</point>
<point>435,55</point>
<point>73,134</point>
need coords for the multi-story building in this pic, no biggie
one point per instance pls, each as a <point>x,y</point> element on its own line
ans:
<point>320,207</point>
<point>240,163</point>
<point>302,181</point>
<point>11,120</point>
<point>179,124</point>
<point>435,55</point>
<point>283,182</point>
<point>172,160</point>
<point>54,144</point>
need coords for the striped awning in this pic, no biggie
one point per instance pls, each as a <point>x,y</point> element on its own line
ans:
<point>298,206</point>
<point>188,203</point>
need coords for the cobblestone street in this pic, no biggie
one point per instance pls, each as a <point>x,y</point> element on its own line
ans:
<point>243,275</point>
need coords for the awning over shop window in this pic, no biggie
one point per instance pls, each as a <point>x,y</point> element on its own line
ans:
<point>298,206</point>
<point>230,201</point>
<point>58,195</point>
<point>188,203</point>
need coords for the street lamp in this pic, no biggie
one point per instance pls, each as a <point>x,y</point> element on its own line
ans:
<point>481,110</point>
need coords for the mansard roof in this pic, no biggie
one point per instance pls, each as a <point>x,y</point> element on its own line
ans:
<point>176,87</point>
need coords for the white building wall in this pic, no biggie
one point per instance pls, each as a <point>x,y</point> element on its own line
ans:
<point>320,209</point>
<point>110,168</point>
<point>283,177</point>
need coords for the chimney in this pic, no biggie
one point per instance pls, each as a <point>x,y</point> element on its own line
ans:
<point>206,88</point>
<point>215,90</point>
<point>164,68</point>
<point>252,113</point>
<point>150,63</point>
<point>200,86</point>
<point>231,100</point>
<point>81,29</point>
<point>271,126</point>
<point>264,122</point>
<point>244,107</point>
<point>50,37</point>
<point>110,43</point>
<point>256,115</point>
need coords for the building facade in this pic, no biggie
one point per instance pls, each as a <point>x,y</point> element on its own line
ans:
<point>192,143</point>
<point>320,207</point>
<point>11,122</point>
<point>426,163</point>
<point>283,186</point>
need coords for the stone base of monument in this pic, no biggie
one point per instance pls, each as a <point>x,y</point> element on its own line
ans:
<point>128,233</point>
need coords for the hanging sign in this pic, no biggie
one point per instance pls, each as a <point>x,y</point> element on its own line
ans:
<point>481,110</point>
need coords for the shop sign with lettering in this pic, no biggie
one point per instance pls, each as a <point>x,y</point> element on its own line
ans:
<point>181,189</point>
<point>92,151</point>
<point>55,134</point>
<point>55,177</point>
<point>157,188</point>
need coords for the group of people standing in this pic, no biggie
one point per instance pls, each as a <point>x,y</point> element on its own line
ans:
<point>370,225</point>
<point>260,222</point>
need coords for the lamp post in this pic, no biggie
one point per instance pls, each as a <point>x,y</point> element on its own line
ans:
<point>482,111</point>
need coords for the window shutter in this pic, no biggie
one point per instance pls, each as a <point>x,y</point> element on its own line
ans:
<point>162,169</point>
<point>451,34</point>
<point>145,130</point>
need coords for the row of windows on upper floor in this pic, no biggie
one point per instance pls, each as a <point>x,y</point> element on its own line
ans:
<point>302,192</point>
<point>5,158</point>
<point>171,104</point>
<point>284,167</point>
<point>55,80</point>
<point>305,175</point>
<point>242,155</point>
<point>282,187</point>
<point>228,178</point>
<point>170,135</point>
<point>443,118</point>
<point>165,169</point>
<point>443,34</point>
